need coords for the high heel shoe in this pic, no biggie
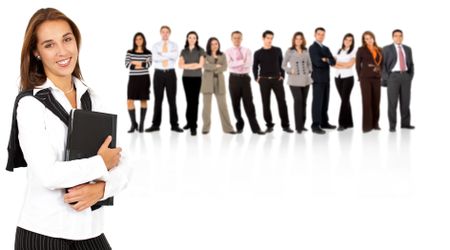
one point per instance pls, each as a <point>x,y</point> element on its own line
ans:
<point>133,128</point>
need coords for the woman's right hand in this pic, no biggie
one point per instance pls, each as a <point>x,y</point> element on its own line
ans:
<point>111,156</point>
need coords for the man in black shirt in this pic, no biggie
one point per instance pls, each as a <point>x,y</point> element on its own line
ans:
<point>269,74</point>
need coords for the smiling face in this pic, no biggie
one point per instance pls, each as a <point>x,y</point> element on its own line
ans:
<point>348,41</point>
<point>368,39</point>
<point>320,36</point>
<point>165,33</point>
<point>57,48</point>
<point>214,46</point>
<point>192,39</point>
<point>298,41</point>
<point>236,38</point>
<point>139,41</point>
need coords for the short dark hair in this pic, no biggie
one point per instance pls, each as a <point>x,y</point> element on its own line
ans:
<point>165,27</point>
<point>267,32</point>
<point>236,32</point>
<point>319,29</point>
<point>397,30</point>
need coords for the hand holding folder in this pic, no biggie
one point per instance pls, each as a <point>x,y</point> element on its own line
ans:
<point>91,133</point>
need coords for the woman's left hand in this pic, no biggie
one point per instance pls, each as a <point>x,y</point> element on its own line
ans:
<point>85,195</point>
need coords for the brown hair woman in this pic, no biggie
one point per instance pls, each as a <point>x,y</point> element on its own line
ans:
<point>51,218</point>
<point>368,61</point>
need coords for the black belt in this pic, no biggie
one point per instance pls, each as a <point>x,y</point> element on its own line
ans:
<point>269,77</point>
<point>239,75</point>
<point>165,70</point>
<point>400,72</point>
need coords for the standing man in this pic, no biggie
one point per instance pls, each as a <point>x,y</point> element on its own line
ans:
<point>269,74</point>
<point>321,59</point>
<point>239,64</point>
<point>165,54</point>
<point>397,74</point>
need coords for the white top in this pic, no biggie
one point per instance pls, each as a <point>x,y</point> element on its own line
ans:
<point>344,57</point>
<point>397,64</point>
<point>159,56</point>
<point>42,137</point>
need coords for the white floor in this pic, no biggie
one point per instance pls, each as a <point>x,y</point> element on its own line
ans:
<point>343,190</point>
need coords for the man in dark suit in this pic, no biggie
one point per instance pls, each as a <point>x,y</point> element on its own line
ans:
<point>397,74</point>
<point>321,59</point>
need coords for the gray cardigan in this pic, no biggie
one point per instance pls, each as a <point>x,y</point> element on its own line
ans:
<point>208,74</point>
<point>301,65</point>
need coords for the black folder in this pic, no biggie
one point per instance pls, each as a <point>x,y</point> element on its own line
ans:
<point>87,132</point>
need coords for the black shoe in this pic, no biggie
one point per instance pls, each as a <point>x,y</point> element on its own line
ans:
<point>269,130</point>
<point>305,129</point>
<point>377,128</point>
<point>288,130</point>
<point>408,127</point>
<point>299,131</point>
<point>328,126</point>
<point>318,131</point>
<point>340,128</point>
<point>239,131</point>
<point>259,132</point>
<point>152,129</point>
<point>177,129</point>
<point>186,127</point>
<point>392,130</point>
<point>193,132</point>
<point>231,132</point>
<point>133,128</point>
<point>141,127</point>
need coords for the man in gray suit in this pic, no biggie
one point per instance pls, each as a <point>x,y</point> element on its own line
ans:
<point>397,74</point>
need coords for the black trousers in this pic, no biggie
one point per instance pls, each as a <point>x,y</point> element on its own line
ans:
<point>165,80</point>
<point>266,85</point>
<point>240,89</point>
<point>344,87</point>
<point>370,92</point>
<point>300,95</point>
<point>399,90</point>
<point>321,98</point>
<point>192,90</point>
<point>27,240</point>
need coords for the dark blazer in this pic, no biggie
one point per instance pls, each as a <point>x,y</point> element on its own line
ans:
<point>390,59</point>
<point>365,64</point>
<point>321,69</point>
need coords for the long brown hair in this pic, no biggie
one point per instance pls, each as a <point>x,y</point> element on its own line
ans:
<point>303,45</point>
<point>31,69</point>
<point>370,33</point>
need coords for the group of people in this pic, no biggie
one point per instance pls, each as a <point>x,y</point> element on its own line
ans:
<point>203,72</point>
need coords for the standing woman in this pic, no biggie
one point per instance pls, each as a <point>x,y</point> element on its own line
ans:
<point>191,60</point>
<point>50,68</point>
<point>138,59</point>
<point>213,82</point>
<point>297,65</point>
<point>368,67</point>
<point>345,59</point>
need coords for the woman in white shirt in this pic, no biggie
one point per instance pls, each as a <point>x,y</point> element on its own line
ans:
<point>48,220</point>
<point>345,59</point>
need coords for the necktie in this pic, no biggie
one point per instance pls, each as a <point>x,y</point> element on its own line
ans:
<point>165,49</point>
<point>401,59</point>
<point>239,54</point>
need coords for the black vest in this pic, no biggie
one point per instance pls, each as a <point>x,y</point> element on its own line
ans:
<point>15,154</point>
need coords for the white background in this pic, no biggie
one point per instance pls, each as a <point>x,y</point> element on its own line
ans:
<point>343,190</point>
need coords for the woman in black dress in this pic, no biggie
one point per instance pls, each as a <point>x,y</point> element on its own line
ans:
<point>138,60</point>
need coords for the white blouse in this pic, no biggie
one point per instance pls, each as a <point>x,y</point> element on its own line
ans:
<point>42,137</point>
<point>344,57</point>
